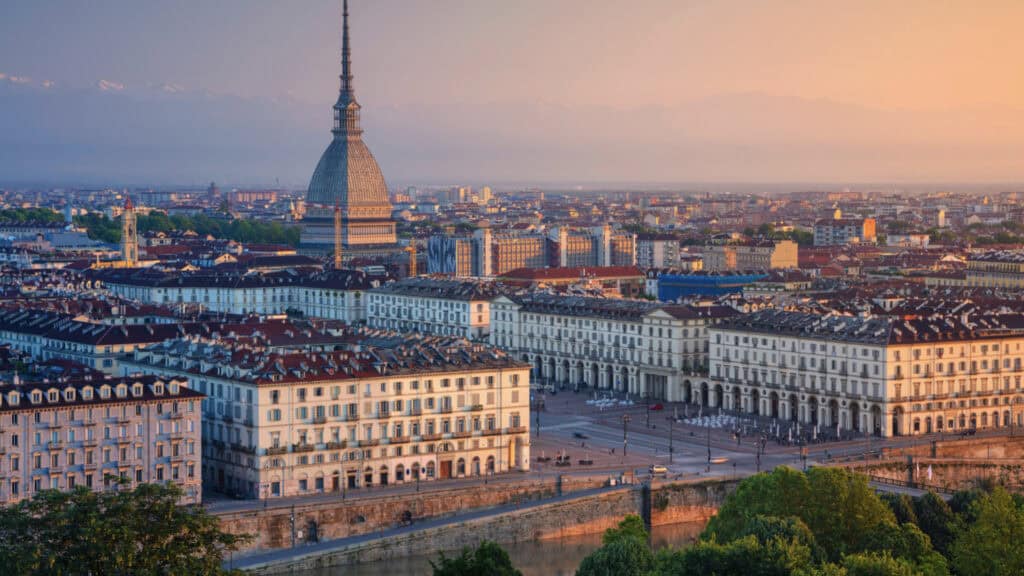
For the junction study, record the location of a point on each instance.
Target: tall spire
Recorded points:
(346, 110)
(346, 58)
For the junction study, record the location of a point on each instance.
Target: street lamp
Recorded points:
(536, 410)
(671, 425)
(709, 448)
(625, 422)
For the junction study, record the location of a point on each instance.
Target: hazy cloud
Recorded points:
(109, 86)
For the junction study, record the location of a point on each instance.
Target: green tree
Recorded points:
(877, 564)
(790, 529)
(902, 506)
(488, 559)
(140, 532)
(991, 545)
(632, 526)
(936, 519)
(744, 557)
(626, 556)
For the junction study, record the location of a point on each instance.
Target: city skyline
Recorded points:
(526, 93)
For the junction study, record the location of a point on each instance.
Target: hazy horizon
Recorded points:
(659, 92)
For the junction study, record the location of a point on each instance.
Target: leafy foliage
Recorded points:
(626, 556)
(30, 215)
(632, 526)
(102, 228)
(141, 532)
(991, 545)
(488, 559)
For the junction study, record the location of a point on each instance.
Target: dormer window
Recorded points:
(174, 387)
(13, 398)
(69, 394)
(53, 396)
(87, 393)
(37, 396)
(158, 388)
(105, 392)
(136, 389)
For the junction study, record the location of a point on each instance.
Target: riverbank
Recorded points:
(581, 513)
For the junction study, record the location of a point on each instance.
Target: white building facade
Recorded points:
(655, 351)
(279, 425)
(876, 375)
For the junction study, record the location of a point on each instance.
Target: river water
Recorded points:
(558, 557)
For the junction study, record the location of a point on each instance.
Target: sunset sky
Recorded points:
(567, 90)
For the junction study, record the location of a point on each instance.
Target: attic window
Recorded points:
(69, 394)
(136, 389)
(37, 396)
(105, 392)
(173, 387)
(158, 388)
(87, 393)
(13, 398)
(53, 396)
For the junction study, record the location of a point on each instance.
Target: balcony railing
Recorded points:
(319, 419)
(430, 437)
(335, 445)
(515, 429)
(275, 450)
(303, 447)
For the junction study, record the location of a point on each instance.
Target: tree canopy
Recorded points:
(100, 227)
(488, 559)
(139, 532)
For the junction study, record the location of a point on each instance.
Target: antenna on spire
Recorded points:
(346, 54)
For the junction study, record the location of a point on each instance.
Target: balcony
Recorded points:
(228, 419)
(383, 415)
(238, 447)
(415, 411)
(465, 434)
(90, 466)
(399, 440)
(90, 443)
(445, 409)
(476, 408)
(302, 447)
(491, 432)
(276, 450)
(515, 430)
(365, 443)
(336, 445)
(55, 445)
(319, 419)
(430, 437)
(176, 415)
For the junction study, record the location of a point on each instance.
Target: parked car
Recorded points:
(657, 407)
(658, 470)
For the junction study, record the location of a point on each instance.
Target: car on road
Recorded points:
(657, 407)
(580, 435)
(657, 470)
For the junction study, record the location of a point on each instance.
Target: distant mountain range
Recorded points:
(110, 133)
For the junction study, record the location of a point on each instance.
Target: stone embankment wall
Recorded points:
(337, 518)
(948, 473)
(670, 502)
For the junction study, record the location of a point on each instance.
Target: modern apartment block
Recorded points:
(750, 255)
(839, 231)
(880, 375)
(387, 410)
(60, 435)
